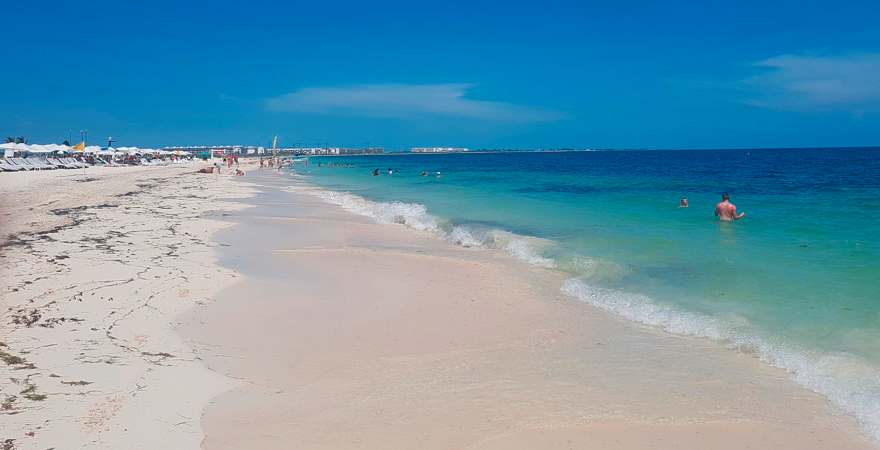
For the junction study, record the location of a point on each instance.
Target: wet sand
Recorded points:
(350, 334)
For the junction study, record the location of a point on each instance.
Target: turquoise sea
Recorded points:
(796, 282)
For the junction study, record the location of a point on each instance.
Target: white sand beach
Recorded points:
(159, 308)
(95, 266)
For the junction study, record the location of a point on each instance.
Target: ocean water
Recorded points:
(796, 283)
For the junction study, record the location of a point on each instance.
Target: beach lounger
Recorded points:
(20, 162)
(30, 162)
(44, 163)
(57, 163)
(41, 163)
(61, 164)
(74, 163)
(9, 167)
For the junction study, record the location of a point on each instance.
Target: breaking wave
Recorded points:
(850, 382)
(416, 216)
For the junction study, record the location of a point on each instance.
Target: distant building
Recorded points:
(438, 149)
(251, 150)
(332, 151)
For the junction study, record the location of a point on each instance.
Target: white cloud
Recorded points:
(842, 83)
(405, 101)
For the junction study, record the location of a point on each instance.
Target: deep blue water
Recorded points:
(796, 282)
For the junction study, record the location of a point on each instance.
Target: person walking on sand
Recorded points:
(726, 211)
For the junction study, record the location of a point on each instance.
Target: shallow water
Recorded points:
(797, 282)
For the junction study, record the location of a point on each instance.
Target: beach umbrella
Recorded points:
(35, 148)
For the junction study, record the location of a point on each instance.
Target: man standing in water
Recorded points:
(726, 211)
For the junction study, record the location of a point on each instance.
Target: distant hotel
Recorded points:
(438, 149)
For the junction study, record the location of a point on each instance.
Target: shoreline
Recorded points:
(824, 373)
(157, 308)
(760, 400)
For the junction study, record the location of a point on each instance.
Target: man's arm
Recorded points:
(737, 216)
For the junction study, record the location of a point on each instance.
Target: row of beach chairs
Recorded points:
(18, 164)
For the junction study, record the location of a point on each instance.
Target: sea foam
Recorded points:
(413, 215)
(850, 382)
(416, 216)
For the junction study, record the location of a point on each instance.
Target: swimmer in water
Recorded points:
(683, 203)
(424, 173)
(375, 172)
(726, 211)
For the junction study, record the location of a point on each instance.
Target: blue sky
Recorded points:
(478, 74)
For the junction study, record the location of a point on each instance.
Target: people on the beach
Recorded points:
(217, 167)
(683, 203)
(726, 211)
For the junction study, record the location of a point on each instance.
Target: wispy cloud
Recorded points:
(842, 83)
(405, 101)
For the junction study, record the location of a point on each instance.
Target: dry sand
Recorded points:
(350, 334)
(96, 265)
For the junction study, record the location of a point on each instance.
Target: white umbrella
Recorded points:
(35, 148)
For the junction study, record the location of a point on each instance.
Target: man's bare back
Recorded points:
(726, 211)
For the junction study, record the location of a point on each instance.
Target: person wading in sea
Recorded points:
(726, 211)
